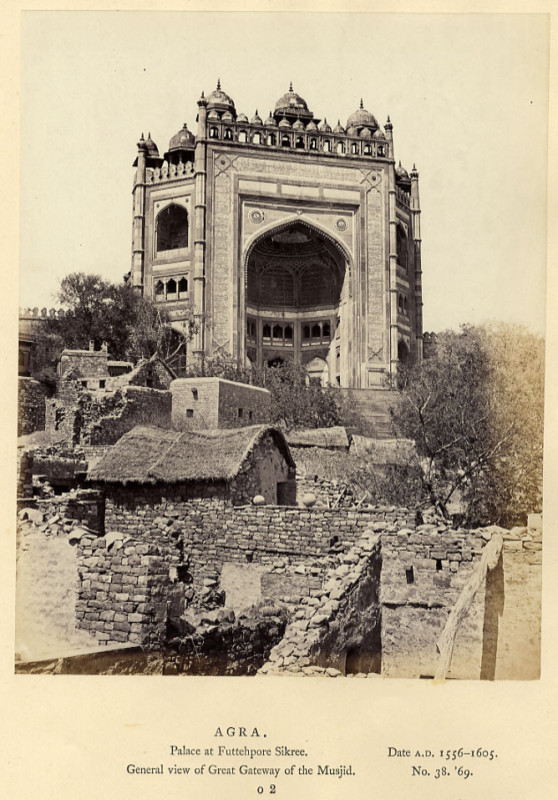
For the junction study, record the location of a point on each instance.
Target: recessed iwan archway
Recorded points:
(296, 297)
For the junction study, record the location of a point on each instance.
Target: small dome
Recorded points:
(183, 140)
(227, 117)
(324, 127)
(352, 131)
(213, 114)
(256, 119)
(221, 101)
(339, 128)
(312, 126)
(362, 118)
(366, 133)
(270, 121)
(379, 134)
(401, 172)
(298, 125)
(292, 103)
(242, 118)
(152, 149)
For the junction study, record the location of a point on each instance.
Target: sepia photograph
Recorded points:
(281, 345)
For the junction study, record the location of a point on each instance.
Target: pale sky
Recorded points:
(467, 95)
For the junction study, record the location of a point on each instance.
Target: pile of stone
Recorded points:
(33, 519)
(311, 615)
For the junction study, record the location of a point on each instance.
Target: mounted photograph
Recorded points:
(281, 345)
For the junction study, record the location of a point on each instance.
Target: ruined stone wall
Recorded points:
(205, 403)
(86, 363)
(512, 619)
(85, 506)
(31, 397)
(423, 573)
(123, 587)
(140, 406)
(83, 417)
(264, 468)
(24, 474)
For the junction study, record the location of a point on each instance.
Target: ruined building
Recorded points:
(288, 238)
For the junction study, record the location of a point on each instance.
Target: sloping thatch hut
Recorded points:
(233, 465)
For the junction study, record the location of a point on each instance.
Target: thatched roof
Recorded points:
(331, 438)
(154, 455)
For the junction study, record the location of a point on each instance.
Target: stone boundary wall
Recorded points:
(31, 396)
(85, 506)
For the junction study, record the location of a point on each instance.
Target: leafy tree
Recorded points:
(475, 411)
(97, 310)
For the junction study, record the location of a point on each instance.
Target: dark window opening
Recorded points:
(102, 384)
(183, 286)
(240, 413)
(250, 414)
(285, 141)
(299, 143)
(438, 564)
(189, 412)
(195, 394)
(271, 139)
(288, 332)
(172, 228)
(410, 575)
(228, 134)
(213, 132)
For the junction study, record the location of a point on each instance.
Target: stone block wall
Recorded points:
(31, 398)
(87, 363)
(206, 403)
(423, 573)
(85, 506)
(140, 406)
(24, 474)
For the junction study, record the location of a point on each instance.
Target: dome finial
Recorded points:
(290, 86)
(218, 83)
(361, 103)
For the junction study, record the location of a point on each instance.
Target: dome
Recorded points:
(324, 127)
(352, 131)
(401, 172)
(339, 128)
(270, 121)
(298, 125)
(362, 118)
(379, 134)
(213, 114)
(220, 101)
(152, 149)
(256, 119)
(312, 126)
(292, 104)
(284, 123)
(366, 133)
(241, 118)
(183, 140)
(227, 117)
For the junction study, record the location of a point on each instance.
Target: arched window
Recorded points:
(266, 332)
(340, 147)
(213, 132)
(299, 143)
(242, 136)
(327, 146)
(402, 248)
(159, 291)
(313, 144)
(182, 287)
(277, 332)
(271, 139)
(172, 228)
(228, 134)
(367, 149)
(285, 140)
(306, 332)
(288, 333)
(354, 148)
(257, 139)
(381, 150)
(171, 289)
(316, 331)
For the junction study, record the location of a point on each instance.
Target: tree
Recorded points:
(98, 311)
(475, 411)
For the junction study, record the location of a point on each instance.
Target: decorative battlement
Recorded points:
(43, 313)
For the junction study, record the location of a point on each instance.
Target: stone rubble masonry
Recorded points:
(24, 474)
(367, 590)
(84, 363)
(30, 406)
(83, 417)
(206, 403)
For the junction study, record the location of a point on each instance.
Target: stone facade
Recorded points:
(210, 403)
(263, 211)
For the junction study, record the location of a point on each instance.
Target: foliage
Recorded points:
(99, 311)
(475, 411)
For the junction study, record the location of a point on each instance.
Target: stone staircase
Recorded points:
(368, 412)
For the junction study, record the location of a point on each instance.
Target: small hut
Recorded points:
(152, 467)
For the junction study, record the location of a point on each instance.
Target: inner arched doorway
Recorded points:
(295, 293)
